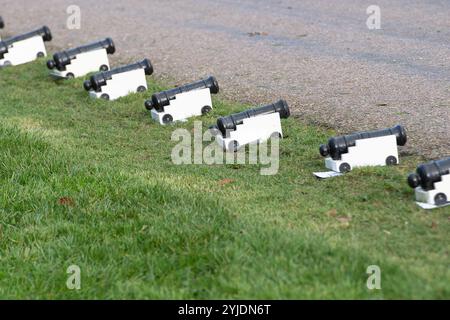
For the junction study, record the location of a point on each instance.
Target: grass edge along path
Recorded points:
(91, 183)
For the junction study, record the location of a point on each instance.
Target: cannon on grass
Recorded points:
(431, 182)
(119, 82)
(183, 102)
(367, 148)
(25, 47)
(251, 126)
(78, 62)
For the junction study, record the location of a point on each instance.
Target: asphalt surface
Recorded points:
(318, 55)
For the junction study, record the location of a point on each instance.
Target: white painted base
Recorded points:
(366, 152)
(24, 51)
(84, 63)
(122, 84)
(253, 130)
(327, 174)
(427, 206)
(442, 186)
(185, 105)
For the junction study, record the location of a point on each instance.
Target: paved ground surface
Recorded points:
(317, 54)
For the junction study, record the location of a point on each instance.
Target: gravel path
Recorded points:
(317, 54)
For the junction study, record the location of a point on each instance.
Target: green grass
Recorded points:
(91, 183)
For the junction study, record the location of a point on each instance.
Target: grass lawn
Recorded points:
(91, 183)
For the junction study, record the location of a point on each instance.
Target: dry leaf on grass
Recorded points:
(332, 213)
(225, 181)
(66, 201)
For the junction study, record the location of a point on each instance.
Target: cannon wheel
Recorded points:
(233, 146)
(104, 67)
(70, 75)
(391, 161)
(345, 167)
(206, 109)
(276, 135)
(40, 54)
(105, 96)
(141, 89)
(440, 199)
(167, 119)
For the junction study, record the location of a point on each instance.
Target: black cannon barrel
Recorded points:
(44, 32)
(230, 122)
(339, 145)
(429, 173)
(2, 23)
(162, 99)
(100, 79)
(63, 58)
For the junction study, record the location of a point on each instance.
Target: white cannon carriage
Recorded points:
(80, 61)
(252, 126)
(119, 82)
(24, 48)
(183, 102)
(431, 182)
(361, 149)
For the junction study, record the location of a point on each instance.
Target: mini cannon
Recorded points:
(78, 62)
(432, 182)
(368, 148)
(24, 48)
(119, 82)
(183, 102)
(251, 126)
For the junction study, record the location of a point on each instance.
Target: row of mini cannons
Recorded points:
(177, 104)
(106, 83)
(78, 62)
(431, 180)
(342, 153)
